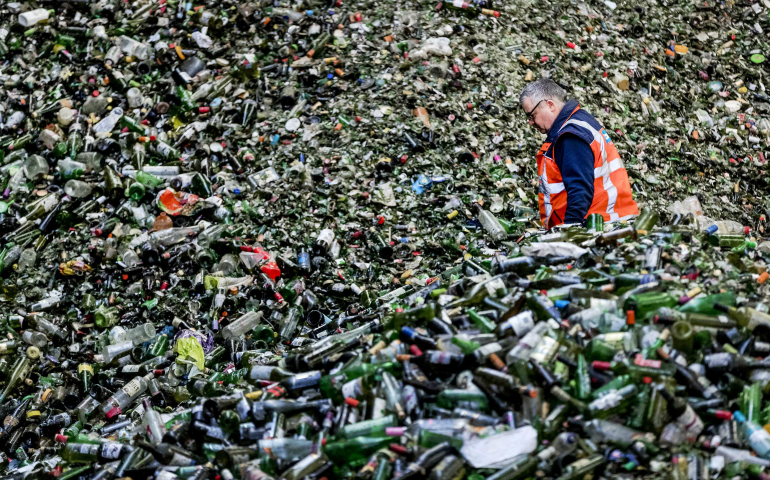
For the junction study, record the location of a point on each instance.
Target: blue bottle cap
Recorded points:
(738, 416)
(712, 229)
(329, 76)
(561, 303)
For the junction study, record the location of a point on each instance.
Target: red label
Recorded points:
(643, 362)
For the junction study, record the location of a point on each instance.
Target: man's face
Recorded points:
(541, 114)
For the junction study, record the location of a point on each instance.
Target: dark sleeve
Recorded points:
(575, 160)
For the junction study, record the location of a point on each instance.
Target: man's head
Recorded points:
(542, 101)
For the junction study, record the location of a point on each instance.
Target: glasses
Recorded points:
(530, 114)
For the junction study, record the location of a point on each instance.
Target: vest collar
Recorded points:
(566, 112)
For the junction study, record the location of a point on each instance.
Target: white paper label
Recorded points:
(111, 451)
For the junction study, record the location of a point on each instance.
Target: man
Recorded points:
(579, 168)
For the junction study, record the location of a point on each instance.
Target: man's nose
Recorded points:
(531, 121)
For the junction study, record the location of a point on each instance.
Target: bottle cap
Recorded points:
(115, 411)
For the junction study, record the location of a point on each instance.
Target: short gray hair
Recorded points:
(543, 89)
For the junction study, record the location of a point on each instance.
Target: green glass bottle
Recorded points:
(613, 403)
(94, 452)
(185, 98)
(200, 185)
(451, 398)
(646, 220)
(353, 381)
(136, 191)
(750, 402)
(355, 451)
(638, 368)
(372, 428)
(205, 388)
(484, 324)
(746, 317)
(148, 180)
(132, 125)
(705, 304)
(646, 304)
(582, 467)
(19, 372)
(466, 346)
(640, 410)
(414, 316)
(668, 316)
(615, 384)
(582, 378)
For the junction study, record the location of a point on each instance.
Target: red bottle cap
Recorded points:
(723, 415)
(351, 401)
(60, 438)
(400, 449)
(599, 365)
(115, 411)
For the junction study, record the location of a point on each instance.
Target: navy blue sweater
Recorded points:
(575, 160)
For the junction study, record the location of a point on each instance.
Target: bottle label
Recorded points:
(131, 368)
(206, 18)
(111, 451)
(85, 368)
(133, 387)
(615, 339)
(583, 462)
(304, 380)
(11, 421)
(606, 402)
(439, 358)
(719, 360)
(759, 436)
(243, 408)
(643, 362)
(163, 149)
(544, 350)
(410, 398)
(521, 323)
(691, 423)
(181, 461)
(352, 389)
(326, 237)
(489, 349)
(260, 372)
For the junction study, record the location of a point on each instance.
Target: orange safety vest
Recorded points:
(612, 191)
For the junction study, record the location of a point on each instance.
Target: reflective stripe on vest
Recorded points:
(546, 188)
(605, 169)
